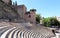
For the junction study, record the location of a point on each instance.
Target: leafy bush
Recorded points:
(38, 17)
(54, 22)
(51, 21)
(46, 21)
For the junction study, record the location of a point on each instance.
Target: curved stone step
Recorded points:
(10, 35)
(10, 32)
(15, 34)
(32, 34)
(4, 29)
(20, 33)
(5, 33)
(40, 35)
(25, 34)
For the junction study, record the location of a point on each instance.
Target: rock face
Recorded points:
(7, 12)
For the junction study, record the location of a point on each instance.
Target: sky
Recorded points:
(47, 8)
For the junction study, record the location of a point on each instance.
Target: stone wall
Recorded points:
(6, 1)
(7, 12)
(30, 16)
(16, 12)
(21, 9)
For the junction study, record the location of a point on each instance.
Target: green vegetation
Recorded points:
(38, 17)
(46, 21)
(51, 21)
(54, 21)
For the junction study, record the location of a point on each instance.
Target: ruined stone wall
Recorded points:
(16, 12)
(31, 17)
(6, 1)
(7, 12)
(21, 9)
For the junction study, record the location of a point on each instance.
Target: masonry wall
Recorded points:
(21, 10)
(6, 1)
(6, 12)
(31, 17)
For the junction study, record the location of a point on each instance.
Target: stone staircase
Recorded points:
(19, 30)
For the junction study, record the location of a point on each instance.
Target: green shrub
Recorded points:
(51, 21)
(38, 17)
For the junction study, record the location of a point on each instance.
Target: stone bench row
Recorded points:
(13, 32)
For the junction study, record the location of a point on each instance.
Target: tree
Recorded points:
(59, 24)
(51, 21)
(38, 17)
(54, 22)
(46, 22)
(15, 3)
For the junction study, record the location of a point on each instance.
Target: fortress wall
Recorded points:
(21, 9)
(6, 1)
(31, 17)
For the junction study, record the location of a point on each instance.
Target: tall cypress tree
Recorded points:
(15, 3)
